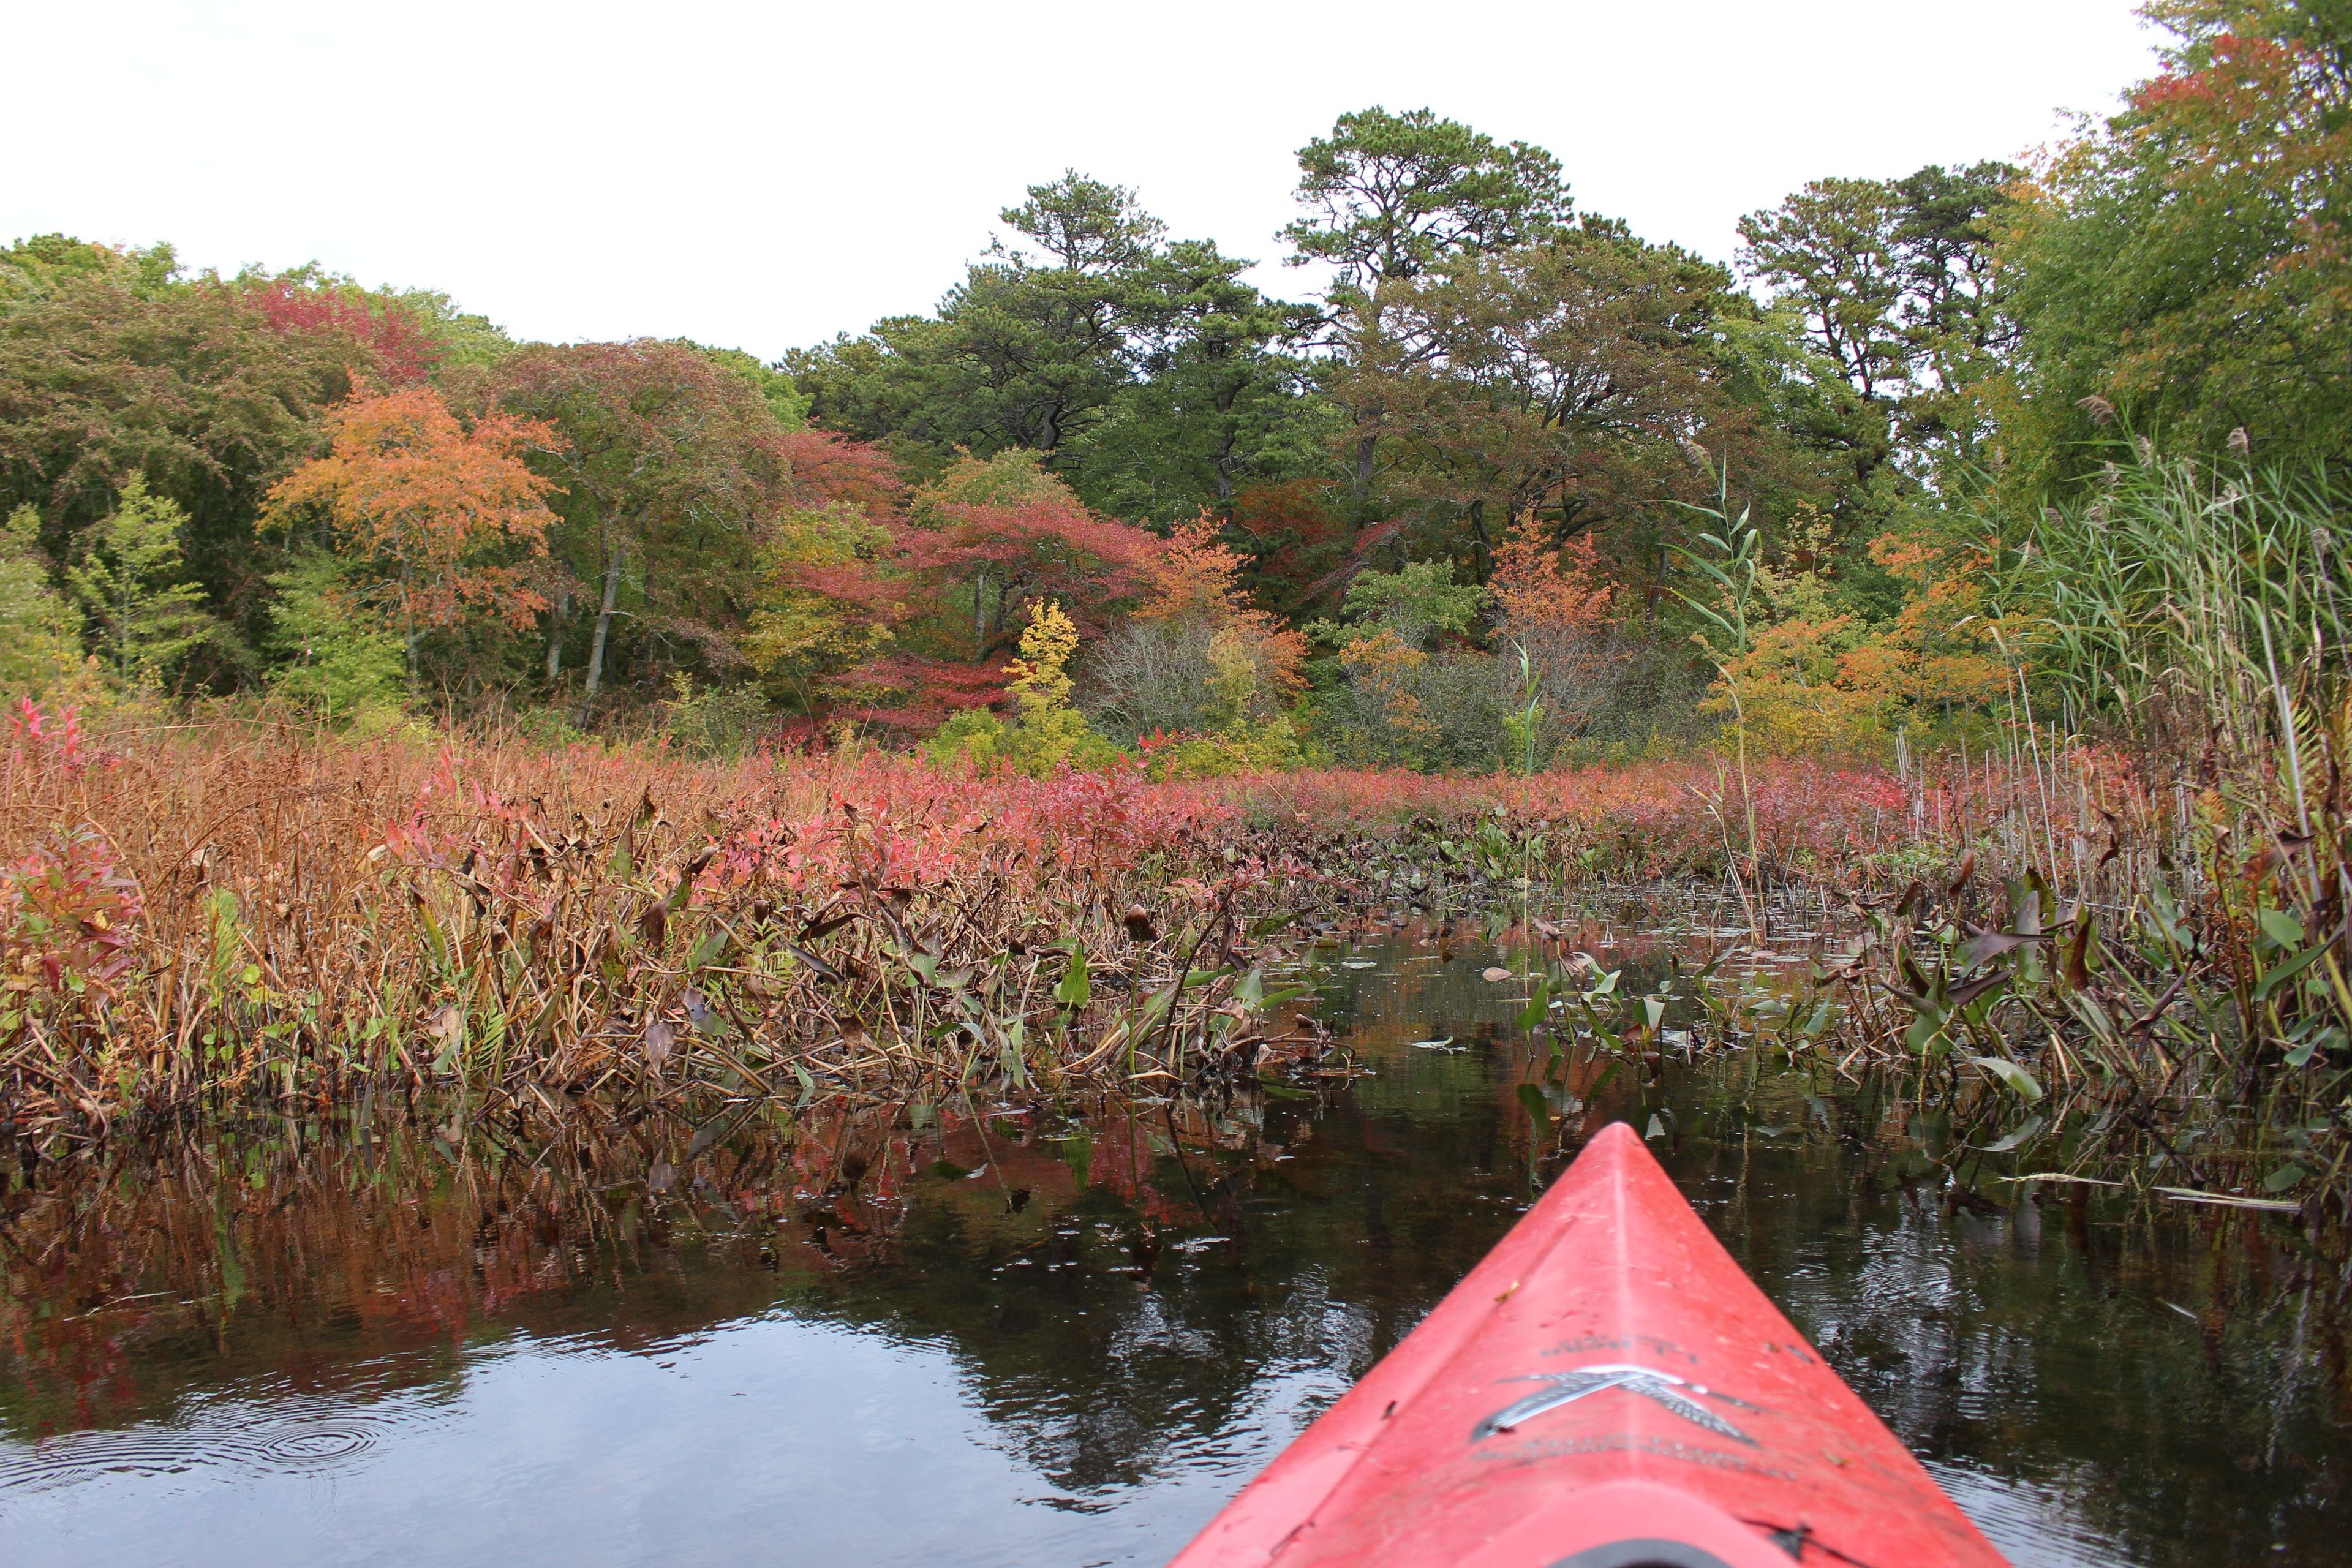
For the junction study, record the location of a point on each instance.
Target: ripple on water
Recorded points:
(229, 1442)
(2035, 1526)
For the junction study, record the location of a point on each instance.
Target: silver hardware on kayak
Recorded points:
(1568, 1387)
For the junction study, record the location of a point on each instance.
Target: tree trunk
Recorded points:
(556, 617)
(604, 630)
(408, 632)
(1363, 485)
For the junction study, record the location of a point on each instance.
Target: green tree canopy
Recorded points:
(2186, 266)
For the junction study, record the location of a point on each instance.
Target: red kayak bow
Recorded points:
(1606, 1390)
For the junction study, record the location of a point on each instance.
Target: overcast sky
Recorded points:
(764, 175)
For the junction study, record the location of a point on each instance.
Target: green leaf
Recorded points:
(1538, 1109)
(709, 950)
(1924, 1034)
(2282, 927)
(1017, 1065)
(2289, 970)
(1076, 988)
(439, 943)
(1538, 1005)
(2285, 1176)
(2015, 1078)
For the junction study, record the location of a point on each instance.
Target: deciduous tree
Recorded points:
(443, 518)
(670, 469)
(2188, 265)
(116, 366)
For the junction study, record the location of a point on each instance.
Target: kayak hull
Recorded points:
(1606, 1390)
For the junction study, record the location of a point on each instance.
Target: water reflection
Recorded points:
(868, 1336)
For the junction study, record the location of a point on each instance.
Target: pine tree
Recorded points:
(129, 579)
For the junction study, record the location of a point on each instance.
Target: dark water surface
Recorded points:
(928, 1338)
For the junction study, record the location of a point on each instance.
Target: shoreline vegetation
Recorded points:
(252, 918)
(1949, 598)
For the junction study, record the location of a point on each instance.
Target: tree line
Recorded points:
(1510, 459)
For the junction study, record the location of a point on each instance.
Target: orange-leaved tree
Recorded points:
(445, 515)
(1558, 608)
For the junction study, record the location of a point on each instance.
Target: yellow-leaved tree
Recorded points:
(1047, 731)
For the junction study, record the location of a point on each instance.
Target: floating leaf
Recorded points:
(1497, 974)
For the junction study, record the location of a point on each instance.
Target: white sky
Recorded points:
(763, 176)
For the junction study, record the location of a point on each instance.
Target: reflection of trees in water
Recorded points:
(1069, 1277)
(2034, 1344)
(1067, 1265)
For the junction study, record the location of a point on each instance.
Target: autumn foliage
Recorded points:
(449, 514)
(402, 351)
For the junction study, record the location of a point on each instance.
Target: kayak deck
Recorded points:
(1606, 1390)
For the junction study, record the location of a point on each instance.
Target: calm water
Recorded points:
(1043, 1340)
